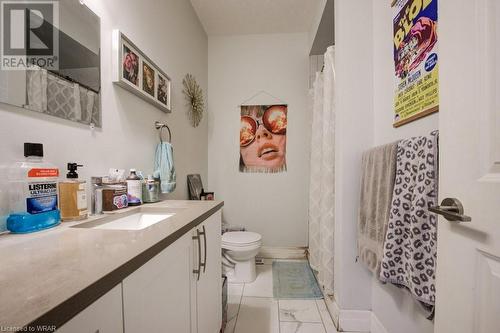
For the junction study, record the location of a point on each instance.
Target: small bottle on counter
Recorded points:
(96, 195)
(73, 195)
(150, 190)
(134, 188)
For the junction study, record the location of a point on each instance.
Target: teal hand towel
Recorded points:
(164, 167)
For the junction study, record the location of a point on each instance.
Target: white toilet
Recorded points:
(240, 249)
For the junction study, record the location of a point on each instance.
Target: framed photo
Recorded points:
(148, 78)
(136, 72)
(163, 90)
(130, 65)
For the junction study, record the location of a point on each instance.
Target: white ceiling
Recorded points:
(235, 17)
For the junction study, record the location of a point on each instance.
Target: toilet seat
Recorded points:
(246, 247)
(237, 239)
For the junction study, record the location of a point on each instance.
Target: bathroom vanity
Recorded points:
(153, 268)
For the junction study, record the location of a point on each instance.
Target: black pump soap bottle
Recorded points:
(73, 195)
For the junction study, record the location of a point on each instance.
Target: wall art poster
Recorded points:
(415, 59)
(263, 138)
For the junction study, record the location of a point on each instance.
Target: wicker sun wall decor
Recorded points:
(194, 97)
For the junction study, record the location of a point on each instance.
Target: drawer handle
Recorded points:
(204, 233)
(198, 271)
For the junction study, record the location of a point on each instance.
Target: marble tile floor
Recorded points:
(252, 309)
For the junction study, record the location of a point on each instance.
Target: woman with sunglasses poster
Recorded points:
(263, 138)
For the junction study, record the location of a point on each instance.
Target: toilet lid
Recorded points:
(240, 237)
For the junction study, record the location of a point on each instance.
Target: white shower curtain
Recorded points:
(322, 177)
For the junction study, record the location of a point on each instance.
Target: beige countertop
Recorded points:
(56, 270)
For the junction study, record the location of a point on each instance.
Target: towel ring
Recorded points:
(161, 126)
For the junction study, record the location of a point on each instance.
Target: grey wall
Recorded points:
(394, 307)
(170, 33)
(353, 134)
(364, 116)
(274, 205)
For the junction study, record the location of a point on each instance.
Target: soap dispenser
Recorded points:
(73, 195)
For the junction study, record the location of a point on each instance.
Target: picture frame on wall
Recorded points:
(148, 78)
(134, 71)
(130, 64)
(163, 90)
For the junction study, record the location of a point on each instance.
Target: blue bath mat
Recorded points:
(294, 279)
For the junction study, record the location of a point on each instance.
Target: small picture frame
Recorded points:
(137, 73)
(163, 90)
(148, 78)
(130, 65)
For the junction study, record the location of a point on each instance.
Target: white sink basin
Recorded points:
(135, 221)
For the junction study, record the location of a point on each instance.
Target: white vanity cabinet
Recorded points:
(102, 316)
(179, 289)
(208, 287)
(158, 296)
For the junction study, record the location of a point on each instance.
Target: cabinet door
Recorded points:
(208, 288)
(157, 297)
(102, 316)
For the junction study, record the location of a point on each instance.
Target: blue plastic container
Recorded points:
(23, 223)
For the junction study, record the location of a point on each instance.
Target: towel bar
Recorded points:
(161, 126)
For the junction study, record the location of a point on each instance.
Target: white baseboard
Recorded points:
(355, 321)
(359, 321)
(269, 252)
(376, 326)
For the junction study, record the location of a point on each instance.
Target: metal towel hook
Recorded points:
(161, 126)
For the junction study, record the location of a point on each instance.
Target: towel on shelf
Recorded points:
(377, 182)
(164, 167)
(410, 248)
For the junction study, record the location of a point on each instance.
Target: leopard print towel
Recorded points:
(410, 247)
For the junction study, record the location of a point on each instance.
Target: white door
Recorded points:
(158, 296)
(468, 267)
(209, 286)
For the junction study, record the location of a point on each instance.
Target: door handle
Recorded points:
(204, 233)
(198, 271)
(452, 210)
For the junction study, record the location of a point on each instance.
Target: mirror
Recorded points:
(69, 89)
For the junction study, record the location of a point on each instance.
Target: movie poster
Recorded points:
(415, 59)
(263, 138)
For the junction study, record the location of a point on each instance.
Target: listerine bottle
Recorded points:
(33, 192)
